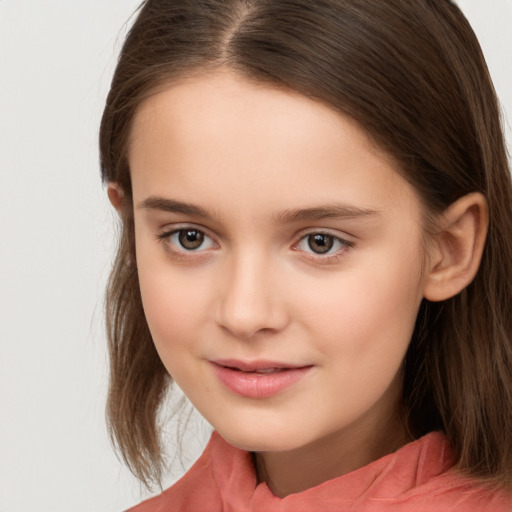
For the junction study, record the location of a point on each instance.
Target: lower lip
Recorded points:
(259, 385)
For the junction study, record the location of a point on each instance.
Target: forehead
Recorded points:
(220, 138)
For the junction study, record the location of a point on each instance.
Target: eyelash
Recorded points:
(182, 253)
(327, 257)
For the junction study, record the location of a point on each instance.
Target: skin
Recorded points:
(254, 161)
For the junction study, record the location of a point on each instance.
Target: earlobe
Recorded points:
(457, 248)
(116, 195)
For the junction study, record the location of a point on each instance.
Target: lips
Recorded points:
(258, 379)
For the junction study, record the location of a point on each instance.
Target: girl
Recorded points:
(316, 214)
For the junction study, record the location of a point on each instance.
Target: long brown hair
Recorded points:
(412, 74)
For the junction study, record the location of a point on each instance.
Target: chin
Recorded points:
(263, 440)
(259, 445)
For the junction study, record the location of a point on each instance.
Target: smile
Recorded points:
(260, 379)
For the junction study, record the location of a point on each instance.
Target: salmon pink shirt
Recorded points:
(419, 477)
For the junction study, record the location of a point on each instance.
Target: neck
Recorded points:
(332, 456)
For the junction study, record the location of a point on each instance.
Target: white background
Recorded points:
(56, 244)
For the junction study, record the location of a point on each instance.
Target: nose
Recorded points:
(250, 300)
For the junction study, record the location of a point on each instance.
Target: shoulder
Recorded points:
(198, 490)
(440, 486)
(455, 492)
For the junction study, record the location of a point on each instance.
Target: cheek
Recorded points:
(172, 305)
(174, 300)
(371, 309)
(173, 312)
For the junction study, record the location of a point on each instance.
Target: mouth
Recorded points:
(258, 379)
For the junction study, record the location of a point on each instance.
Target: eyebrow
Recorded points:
(330, 211)
(170, 205)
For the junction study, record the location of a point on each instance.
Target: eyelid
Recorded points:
(179, 226)
(329, 257)
(164, 237)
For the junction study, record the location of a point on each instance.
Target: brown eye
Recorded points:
(190, 239)
(187, 240)
(320, 243)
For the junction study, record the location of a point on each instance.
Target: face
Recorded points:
(280, 260)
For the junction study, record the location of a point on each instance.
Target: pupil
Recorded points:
(191, 239)
(320, 243)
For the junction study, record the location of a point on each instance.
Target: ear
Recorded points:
(457, 247)
(116, 195)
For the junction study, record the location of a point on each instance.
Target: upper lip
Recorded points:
(248, 366)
